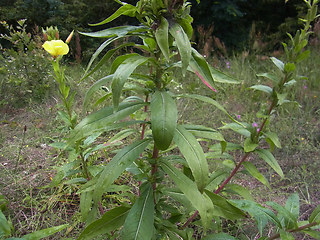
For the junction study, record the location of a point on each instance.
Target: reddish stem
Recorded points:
(154, 169)
(142, 134)
(296, 229)
(236, 169)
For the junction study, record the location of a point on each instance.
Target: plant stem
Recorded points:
(144, 125)
(21, 146)
(154, 168)
(84, 167)
(296, 229)
(236, 169)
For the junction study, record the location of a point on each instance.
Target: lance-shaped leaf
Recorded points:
(85, 204)
(200, 67)
(254, 172)
(5, 228)
(116, 31)
(122, 160)
(110, 221)
(261, 214)
(101, 82)
(126, 9)
(193, 153)
(238, 189)
(103, 118)
(315, 215)
(122, 73)
(222, 208)
(249, 145)
(221, 77)
(199, 201)
(286, 218)
(238, 128)
(161, 35)
(104, 59)
(204, 132)
(278, 63)
(183, 45)
(267, 156)
(262, 88)
(44, 232)
(139, 223)
(293, 205)
(272, 139)
(210, 101)
(275, 79)
(164, 116)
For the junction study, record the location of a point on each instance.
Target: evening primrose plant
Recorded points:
(57, 49)
(176, 194)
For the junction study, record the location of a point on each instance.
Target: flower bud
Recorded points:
(69, 37)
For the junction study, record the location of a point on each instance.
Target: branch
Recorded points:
(295, 230)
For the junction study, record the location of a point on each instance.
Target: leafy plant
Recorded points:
(23, 76)
(161, 209)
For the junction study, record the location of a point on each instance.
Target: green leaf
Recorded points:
(116, 31)
(278, 63)
(221, 77)
(241, 129)
(139, 222)
(255, 173)
(117, 165)
(210, 101)
(85, 204)
(105, 58)
(92, 90)
(193, 153)
(5, 229)
(204, 132)
(282, 98)
(98, 121)
(313, 233)
(219, 236)
(286, 218)
(262, 88)
(289, 67)
(215, 179)
(302, 56)
(238, 189)
(200, 67)
(267, 156)
(44, 232)
(293, 205)
(274, 138)
(315, 215)
(161, 35)
(164, 117)
(185, 22)
(122, 73)
(261, 214)
(270, 76)
(183, 45)
(249, 145)
(222, 208)
(126, 9)
(111, 220)
(121, 135)
(199, 201)
(286, 235)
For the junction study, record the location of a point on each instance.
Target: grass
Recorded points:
(32, 205)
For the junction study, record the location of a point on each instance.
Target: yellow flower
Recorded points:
(56, 48)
